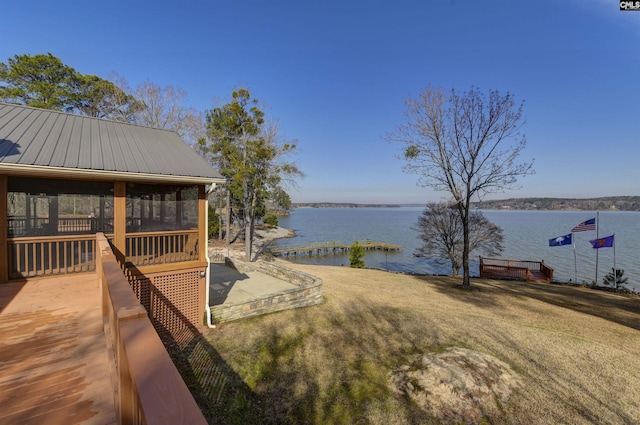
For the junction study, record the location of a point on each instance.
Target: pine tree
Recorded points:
(356, 255)
(615, 278)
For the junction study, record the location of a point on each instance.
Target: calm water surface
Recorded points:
(526, 235)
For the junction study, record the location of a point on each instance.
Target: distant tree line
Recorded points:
(346, 205)
(621, 203)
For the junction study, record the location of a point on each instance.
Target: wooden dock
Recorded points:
(530, 271)
(329, 248)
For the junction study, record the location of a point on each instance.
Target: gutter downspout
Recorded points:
(208, 272)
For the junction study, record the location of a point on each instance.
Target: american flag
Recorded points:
(585, 225)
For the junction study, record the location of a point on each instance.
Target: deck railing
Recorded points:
(546, 270)
(149, 389)
(150, 248)
(21, 226)
(331, 247)
(514, 269)
(50, 255)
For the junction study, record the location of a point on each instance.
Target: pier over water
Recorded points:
(329, 248)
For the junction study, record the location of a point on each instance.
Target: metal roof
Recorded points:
(40, 141)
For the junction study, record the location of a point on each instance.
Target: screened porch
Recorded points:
(51, 224)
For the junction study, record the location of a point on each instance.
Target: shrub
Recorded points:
(616, 278)
(356, 256)
(271, 220)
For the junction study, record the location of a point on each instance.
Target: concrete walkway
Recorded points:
(54, 367)
(229, 286)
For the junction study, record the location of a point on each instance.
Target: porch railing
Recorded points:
(21, 226)
(51, 255)
(150, 248)
(149, 389)
(497, 268)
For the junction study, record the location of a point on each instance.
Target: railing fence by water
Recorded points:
(531, 271)
(328, 248)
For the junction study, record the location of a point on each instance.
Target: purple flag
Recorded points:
(602, 242)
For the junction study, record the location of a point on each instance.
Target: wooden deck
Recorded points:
(328, 248)
(54, 367)
(530, 271)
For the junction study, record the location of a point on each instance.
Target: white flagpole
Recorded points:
(575, 261)
(615, 271)
(597, 237)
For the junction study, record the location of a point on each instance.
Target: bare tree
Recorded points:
(160, 107)
(466, 144)
(163, 108)
(441, 231)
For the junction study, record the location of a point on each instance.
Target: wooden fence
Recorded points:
(34, 226)
(149, 389)
(150, 248)
(331, 247)
(51, 255)
(498, 268)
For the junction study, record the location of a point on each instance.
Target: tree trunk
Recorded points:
(252, 221)
(248, 218)
(247, 241)
(466, 282)
(464, 210)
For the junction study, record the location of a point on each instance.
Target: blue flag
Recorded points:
(602, 242)
(560, 240)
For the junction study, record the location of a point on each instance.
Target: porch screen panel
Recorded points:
(50, 207)
(162, 223)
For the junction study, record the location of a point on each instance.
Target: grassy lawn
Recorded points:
(575, 351)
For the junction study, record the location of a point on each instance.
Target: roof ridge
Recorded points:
(86, 117)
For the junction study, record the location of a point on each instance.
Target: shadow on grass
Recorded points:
(219, 391)
(620, 308)
(623, 309)
(578, 396)
(323, 368)
(482, 296)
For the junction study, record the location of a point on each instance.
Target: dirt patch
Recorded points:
(457, 385)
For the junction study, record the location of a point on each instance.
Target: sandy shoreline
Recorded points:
(263, 236)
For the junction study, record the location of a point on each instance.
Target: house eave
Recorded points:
(85, 174)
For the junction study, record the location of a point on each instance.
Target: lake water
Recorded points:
(526, 237)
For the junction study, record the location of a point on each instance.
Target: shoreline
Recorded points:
(265, 235)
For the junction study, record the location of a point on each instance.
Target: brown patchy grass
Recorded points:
(576, 350)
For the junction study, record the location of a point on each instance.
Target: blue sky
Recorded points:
(335, 74)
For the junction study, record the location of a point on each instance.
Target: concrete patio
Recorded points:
(228, 286)
(239, 290)
(54, 367)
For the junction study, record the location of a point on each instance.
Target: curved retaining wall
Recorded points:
(308, 292)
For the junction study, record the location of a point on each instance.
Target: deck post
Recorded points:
(203, 239)
(4, 257)
(120, 220)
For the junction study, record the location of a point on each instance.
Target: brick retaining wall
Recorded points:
(307, 293)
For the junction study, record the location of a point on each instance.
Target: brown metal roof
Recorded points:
(31, 139)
